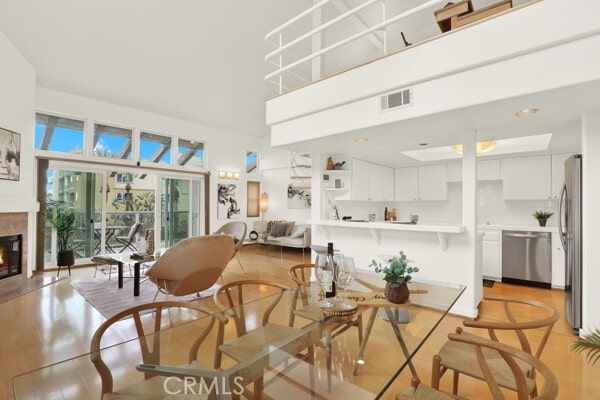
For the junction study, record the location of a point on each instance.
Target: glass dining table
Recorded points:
(393, 335)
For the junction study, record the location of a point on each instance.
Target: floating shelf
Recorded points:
(336, 189)
(300, 177)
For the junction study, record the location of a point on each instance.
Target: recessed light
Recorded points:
(361, 140)
(527, 111)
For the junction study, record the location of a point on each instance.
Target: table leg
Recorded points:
(120, 274)
(398, 334)
(136, 279)
(363, 345)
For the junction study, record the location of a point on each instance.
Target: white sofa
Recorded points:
(298, 236)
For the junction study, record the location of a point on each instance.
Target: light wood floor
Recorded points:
(54, 323)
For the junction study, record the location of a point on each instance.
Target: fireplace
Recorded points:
(10, 255)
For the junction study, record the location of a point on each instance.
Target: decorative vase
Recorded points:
(542, 222)
(65, 258)
(396, 295)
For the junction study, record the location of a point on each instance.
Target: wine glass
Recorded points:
(346, 272)
(338, 265)
(325, 278)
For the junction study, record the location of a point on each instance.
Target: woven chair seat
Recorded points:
(424, 392)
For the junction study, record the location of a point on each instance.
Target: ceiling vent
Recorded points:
(399, 99)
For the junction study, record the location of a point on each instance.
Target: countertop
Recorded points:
(387, 225)
(512, 227)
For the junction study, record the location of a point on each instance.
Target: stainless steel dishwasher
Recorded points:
(527, 258)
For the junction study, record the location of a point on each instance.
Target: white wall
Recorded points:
(591, 220)
(17, 105)
(275, 173)
(225, 150)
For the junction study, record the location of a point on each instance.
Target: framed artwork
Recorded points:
(227, 206)
(298, 197)
(10, 155)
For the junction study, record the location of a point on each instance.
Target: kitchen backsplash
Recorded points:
(492, 208)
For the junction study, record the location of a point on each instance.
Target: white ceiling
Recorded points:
(197, 60)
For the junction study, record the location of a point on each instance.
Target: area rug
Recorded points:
(105, 296)
(488, 283)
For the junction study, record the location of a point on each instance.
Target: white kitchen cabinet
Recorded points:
(558, 173)
(558, 262)
(406, 185)
(387, 187)
(455, 172)
(433, 182)
(425, 183)
(360, 179)
(491, 254)
(527, 178)
(375, 182)
(488, 170)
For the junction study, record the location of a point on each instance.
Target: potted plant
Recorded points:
(62, 220)
(589, 343)
(397, 275)
(542, 216)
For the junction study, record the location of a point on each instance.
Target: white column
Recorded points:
(590, 149)
(469, 217)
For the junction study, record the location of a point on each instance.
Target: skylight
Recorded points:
(503, 146)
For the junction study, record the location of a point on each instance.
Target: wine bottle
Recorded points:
(330, 268)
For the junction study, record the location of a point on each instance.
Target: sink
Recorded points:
(402, 222)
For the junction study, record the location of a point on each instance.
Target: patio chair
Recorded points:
(155, 378)
(515, 361)
(463, 359)
(250, 342)
(191, 265)
(128, 241)
(237, 229)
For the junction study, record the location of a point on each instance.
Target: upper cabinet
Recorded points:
(372, 182)
(388, 184)
(424, 183)
(487, 170)
(527, 178)
(360, 180)
(558, 173)
(406, 184)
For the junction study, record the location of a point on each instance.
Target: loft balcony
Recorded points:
(340, 66)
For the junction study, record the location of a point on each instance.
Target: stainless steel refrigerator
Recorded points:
(569, 225)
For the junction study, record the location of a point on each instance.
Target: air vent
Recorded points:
(392, 101)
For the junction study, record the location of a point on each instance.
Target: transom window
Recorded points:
(191, 153)
(112, 142)
(251, 162)
(155, 148)
(59, 134)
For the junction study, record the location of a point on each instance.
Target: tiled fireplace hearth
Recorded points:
(13, 245)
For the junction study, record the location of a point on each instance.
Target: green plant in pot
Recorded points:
(542, 216)
(397, 275)
(61, 219)
(589, 343)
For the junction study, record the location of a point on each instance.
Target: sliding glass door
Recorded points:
(113, 209)
(181, 202)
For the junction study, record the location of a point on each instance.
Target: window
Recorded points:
(251, 162)
(253, 199)
(58, 134)
(112, 142)
(155, 148)
(124, 177)
(191, 153)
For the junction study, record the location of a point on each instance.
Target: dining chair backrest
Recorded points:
(513, 357)
(301, 273)
(230, 297)
(147, 340)
(548, 315)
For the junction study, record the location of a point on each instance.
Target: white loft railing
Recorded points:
(287, 64)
